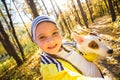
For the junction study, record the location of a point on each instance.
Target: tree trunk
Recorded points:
(83, 14)
(40, 6)
(8, 45)
(45, 7)
(33, 8)
(27, 16)
(116, 4)
(89, 11)
(77, 17)
(63, 19)
(106, 4)
(112, 12)
(62, 28)
(69, 21)
(13, 31)
(101, 10)
(10, 30)
(23, 22)
(54, 8)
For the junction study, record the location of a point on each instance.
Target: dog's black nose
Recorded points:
(110, 51)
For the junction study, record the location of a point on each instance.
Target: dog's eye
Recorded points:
(93, 45)
(99, 39)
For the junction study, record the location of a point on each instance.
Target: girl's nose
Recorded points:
(50, 39)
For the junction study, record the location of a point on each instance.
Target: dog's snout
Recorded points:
(110, 51)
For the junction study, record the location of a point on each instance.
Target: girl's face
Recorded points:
(48, 37)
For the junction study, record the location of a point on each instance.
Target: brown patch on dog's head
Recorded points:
(93, 45)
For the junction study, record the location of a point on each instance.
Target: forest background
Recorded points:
(19, 56)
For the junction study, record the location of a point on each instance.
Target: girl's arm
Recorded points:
(50, 72)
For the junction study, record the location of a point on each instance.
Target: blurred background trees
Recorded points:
(16, 17)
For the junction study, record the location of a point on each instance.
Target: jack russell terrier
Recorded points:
(92, 46)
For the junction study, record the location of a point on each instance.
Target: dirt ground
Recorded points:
(110, 67)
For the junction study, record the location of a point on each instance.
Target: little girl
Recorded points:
(57, 62)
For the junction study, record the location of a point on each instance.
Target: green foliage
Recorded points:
(6, 65)
(116, 26)
(30, 48)
(1, 68)
(2, 50)
(117, 23)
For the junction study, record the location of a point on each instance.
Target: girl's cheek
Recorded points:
(41, 44)
(60, 38)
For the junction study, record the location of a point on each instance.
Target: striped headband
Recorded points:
(38, 20)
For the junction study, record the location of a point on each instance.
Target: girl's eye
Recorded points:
(54, 33)
(42, 37)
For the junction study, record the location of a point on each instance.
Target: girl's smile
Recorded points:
(52, 47)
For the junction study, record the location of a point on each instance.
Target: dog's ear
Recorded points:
(77, 37)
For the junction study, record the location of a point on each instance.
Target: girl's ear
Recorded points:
(77, 37)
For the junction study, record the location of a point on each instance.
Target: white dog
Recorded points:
(92, 47)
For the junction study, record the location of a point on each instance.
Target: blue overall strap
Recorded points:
(47, 59)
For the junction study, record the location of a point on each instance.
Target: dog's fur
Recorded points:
(92, 44)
